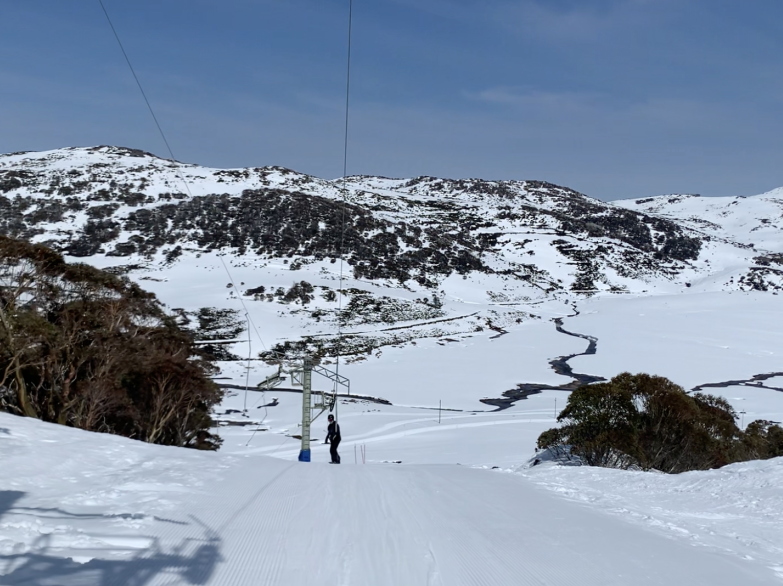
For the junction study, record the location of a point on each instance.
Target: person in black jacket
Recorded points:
(333, 437)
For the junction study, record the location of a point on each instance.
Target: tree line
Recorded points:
(85, 348)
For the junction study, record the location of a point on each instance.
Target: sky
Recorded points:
(613, 98)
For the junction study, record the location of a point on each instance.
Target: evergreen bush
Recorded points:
(648, 422)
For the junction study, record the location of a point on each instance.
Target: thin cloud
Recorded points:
(538, 99)
(583, 21)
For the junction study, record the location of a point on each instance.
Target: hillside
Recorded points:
(446, 262)
(490, 299)
(124, 203)
(129, 204)
(753, 223)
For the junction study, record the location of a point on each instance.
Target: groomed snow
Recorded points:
(462, 506)
(84, 509)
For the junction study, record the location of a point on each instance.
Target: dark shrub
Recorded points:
(649, 422)
(85, 348)
(764, 439)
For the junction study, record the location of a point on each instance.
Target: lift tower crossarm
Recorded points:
(333, 376)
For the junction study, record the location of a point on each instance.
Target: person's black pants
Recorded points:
(333, 450)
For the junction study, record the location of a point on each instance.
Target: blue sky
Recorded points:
(614, 98)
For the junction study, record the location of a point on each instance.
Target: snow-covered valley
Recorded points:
(454, 304)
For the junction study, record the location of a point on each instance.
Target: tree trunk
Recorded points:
(21, 393)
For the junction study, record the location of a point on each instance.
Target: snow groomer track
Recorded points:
(389, 525)
(274, 522)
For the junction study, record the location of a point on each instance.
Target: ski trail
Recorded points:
(469, 536)
(394, 550)
(369, 438)
(268, 522)
(227, 526)
(529, 537)
(268, 535)
(433, 575)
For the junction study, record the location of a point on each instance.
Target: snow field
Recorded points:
(161, 516)
(80, 508)
(691, 339)
(392, 433)
(737, 509)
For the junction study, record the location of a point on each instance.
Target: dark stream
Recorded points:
(754, 381)
(560, 366)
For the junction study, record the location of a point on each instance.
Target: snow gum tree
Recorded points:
(648, 422)
(82, 347)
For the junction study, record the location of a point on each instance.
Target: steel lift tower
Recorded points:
(307, 389)
(312, 401)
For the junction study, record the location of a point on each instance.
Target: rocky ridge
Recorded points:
(405, 241)
(124, 202)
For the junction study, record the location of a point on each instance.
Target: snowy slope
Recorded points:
(437, 272)
(754, 223)
(755, 220)
(705, 509)
(458, 300)
(430, 263)
(535, 237)
(110, 511)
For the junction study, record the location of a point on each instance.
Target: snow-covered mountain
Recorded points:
(423, 257)
(452, 291)
(542, 238)
(753, 223)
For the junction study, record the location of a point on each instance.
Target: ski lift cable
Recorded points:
(178, 172)
(171, 154)
(138, 83)
(344, 192)
(180, 176)
(247, 367)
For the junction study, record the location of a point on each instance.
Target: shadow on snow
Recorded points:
(193, 561)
